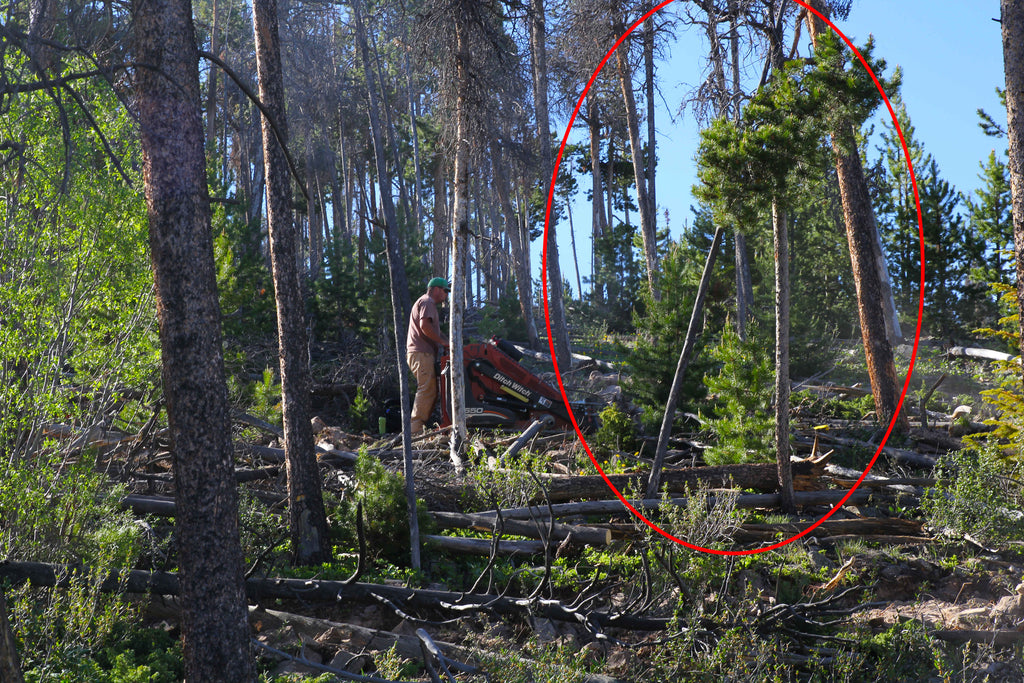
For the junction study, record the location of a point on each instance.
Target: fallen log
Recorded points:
(997, 638)
(313, 590)
(855, 528)
(984, 354)
(96, 436)
(357, 638)
(578, 359)
(484, 546)
(328, 456)
(872, 538)
(900, 455)
(559, 532)
(362, 639)
(528, 434)
(615, 507)
(755, 476)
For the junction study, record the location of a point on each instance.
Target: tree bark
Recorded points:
(861, 233)
(652, 158)
(211, 84)
(1012, 22)
(42, 20)
(744, 283)
(307, 520)
(559, 329)
(400, 304)
(780, 230)
(441, 224)
(214, 619)
(10, 669)
(599, 222)
(459, 251)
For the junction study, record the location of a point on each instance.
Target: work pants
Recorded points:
(422, 367)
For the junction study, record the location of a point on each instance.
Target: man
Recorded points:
(421, 347)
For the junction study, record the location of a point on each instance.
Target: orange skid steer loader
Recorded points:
(502, 393)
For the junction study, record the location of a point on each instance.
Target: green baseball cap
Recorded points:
(439, 282)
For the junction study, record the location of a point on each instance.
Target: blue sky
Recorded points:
(951, 55)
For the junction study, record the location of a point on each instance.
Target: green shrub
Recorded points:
(385, 511)
(742, 394)
(977, 493)
(617, 432)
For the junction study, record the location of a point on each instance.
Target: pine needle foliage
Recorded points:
(741, 393)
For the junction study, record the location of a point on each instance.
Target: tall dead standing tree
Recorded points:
(538, 52)
(214, 616)
(1012, 29)
(473, 54)
(400, 304)
(307, 520)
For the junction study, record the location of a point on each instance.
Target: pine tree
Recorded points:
(954, 299)
(989, 218)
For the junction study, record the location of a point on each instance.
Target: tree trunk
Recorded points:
(307, 520)
(648, 234)
(459, 252)
(654, 481)
(599, 222)
(400, 304)
(520, 252)
(10, 669)
(744, 283)
(652, 159)
(439, 246)
(314, 216)
(780, 231)
(214, 619)
(414, 133)
(861, 233)
(558, 330)
(1013, 65)
(42, 20)
(211, 86)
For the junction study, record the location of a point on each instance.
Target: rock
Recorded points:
(1009, 612)
(960, 421)
(354, 664)
(592, 652)
(545, 629)
(292, 667)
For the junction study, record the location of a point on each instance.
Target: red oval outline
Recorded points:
(547, 314)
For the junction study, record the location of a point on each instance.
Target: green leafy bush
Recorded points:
(977, 493)
(617, 432)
